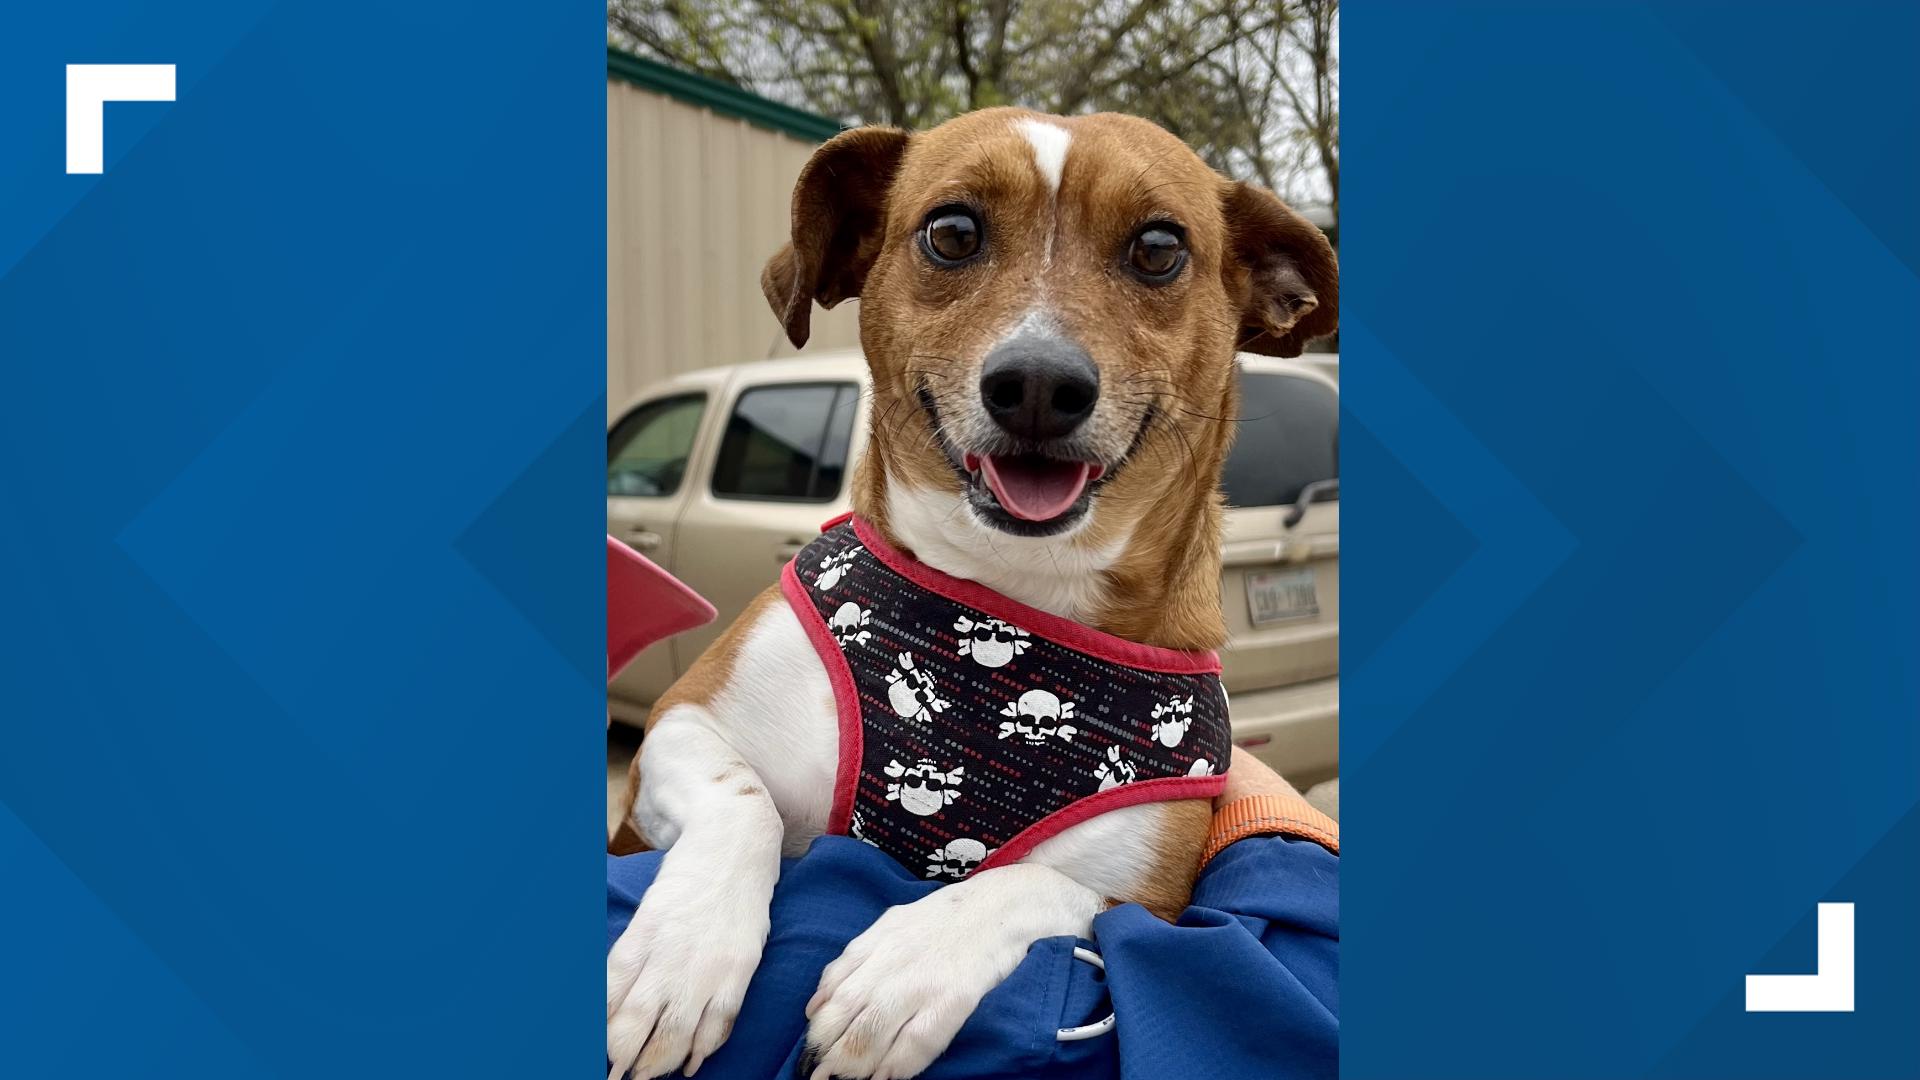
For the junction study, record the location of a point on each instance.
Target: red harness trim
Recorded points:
(846, 699)
(1092, 806)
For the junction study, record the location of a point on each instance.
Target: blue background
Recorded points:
(1630, 330)
(300, 441)
(301, 431)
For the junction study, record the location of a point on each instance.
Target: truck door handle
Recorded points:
(785, 552)
(643, 539)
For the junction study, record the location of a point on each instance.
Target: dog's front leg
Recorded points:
(676, 977)
(900, 992)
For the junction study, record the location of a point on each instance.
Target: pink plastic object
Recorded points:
(644, 605)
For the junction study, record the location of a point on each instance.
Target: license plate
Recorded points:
(1279, 595)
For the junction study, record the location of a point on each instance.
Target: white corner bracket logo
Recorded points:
(1829, 988)
(89, 88)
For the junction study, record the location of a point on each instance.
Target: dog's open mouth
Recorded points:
(1033, 487)
(1026, 491)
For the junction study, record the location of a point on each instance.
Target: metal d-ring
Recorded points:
(1098, 1027)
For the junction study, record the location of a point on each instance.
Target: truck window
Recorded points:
(647, 450)
(1289, 437)
(787, 443)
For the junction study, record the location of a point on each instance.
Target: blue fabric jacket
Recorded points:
(1246, 985)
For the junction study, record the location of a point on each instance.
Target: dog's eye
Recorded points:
(1158, 253)
(952, 236)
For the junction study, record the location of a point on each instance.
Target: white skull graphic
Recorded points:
(849, 624)
(857, 829)
(1201, 767)
(957, 859)
(1037, 717)
(922, 788)
(911, 691)
(1172, 721)
(1114, 771)
(832, 569)
(991, 642)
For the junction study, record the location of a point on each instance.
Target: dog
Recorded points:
(1050, 307)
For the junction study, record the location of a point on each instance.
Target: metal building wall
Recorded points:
(696, 203)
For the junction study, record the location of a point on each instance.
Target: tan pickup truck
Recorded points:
(721, 475)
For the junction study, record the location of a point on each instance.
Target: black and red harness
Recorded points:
(973, 727)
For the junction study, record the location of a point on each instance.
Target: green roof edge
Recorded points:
(723, 98)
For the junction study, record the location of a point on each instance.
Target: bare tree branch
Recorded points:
(1253, 85)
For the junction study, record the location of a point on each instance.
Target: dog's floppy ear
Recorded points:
(1288, 282)
(839, 211)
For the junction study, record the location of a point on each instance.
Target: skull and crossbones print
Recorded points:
(957, 859)
(912, 693)
(991, 642)
(1116, 770)
(833, 568)
(849, 624)
(1039, 715)
(923, 788)
(1172, 719)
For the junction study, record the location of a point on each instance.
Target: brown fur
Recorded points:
(697, 687)
(627, 838)
(1258, 277)
(1169, 881)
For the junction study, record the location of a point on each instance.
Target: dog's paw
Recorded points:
(900, 992)
(675, 980)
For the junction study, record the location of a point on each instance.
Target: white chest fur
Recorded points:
(1052, 573)
(776, 712)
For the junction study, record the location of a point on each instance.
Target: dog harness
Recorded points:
(973, 727)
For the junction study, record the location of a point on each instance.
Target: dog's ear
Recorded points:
(1282, 272)
(839, 213)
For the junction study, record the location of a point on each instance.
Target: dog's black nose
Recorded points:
(1039, 387)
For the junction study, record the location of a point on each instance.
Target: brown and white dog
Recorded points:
(1050, 307)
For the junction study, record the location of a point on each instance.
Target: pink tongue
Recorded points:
(1035, 488)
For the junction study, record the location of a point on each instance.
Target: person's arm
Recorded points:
(1259, 802)
(1247, 983)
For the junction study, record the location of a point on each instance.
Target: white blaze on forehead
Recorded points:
(1049, 142)
(1049, 149)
